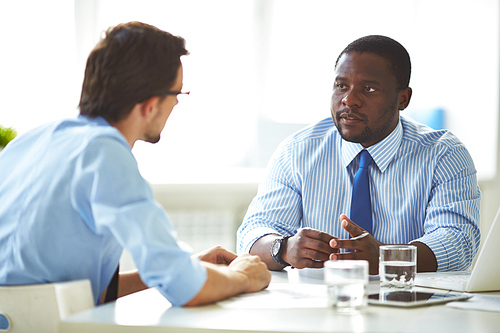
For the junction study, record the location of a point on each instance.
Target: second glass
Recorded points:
(398, 266)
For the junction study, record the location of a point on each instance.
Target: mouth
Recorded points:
(349, 118)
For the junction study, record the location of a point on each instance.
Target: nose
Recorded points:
(351, 99)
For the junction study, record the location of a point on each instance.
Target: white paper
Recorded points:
(479, 302)
(281, 296)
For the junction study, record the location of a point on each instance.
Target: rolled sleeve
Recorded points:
(449, 253)
(247, 236)
(190, 278)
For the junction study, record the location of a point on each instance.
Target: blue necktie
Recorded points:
(361, 206)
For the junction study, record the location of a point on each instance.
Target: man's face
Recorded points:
(165, 108)
(365, 100)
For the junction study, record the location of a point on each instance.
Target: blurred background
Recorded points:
(258, 70)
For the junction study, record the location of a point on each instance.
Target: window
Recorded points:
(258, 71)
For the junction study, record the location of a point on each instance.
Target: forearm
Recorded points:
(130, 282)
(221, 283)
(426, 260)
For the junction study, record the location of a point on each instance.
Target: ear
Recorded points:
(148, 107)
(404, 98)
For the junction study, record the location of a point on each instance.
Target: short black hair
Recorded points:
(133, 62)
(387, 48)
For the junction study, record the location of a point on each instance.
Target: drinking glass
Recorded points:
(398, 266)
(346, 281)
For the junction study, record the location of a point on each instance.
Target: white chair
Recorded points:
(39, 308)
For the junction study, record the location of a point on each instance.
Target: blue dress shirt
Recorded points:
(71, 198)
(422, 182)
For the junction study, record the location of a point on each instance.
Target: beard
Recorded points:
(371, 133)
(152, 138)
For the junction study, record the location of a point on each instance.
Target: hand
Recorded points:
(254, 270)
(308, 248)
(366, 248)
(216, 255)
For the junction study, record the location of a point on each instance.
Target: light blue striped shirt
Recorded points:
(423, 188)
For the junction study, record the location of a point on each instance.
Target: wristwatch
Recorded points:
(278, 246)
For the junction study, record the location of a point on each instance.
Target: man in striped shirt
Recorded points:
(423, 182)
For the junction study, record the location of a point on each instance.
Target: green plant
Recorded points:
(6, 135)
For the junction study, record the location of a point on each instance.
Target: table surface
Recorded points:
(267, 311)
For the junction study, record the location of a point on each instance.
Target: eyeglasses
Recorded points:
(175, 93)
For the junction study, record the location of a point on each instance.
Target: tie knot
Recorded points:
(365, 159)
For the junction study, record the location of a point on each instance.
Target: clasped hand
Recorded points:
(251, 267)
(311, 248)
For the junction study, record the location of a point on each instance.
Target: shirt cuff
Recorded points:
(443, 249)
(249, 238)
(186, 284)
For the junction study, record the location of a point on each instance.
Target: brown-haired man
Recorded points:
(72, 197)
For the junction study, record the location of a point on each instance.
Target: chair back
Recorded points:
(40, 307)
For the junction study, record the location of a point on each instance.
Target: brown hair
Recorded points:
(133, 62)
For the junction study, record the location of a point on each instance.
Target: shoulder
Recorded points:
(67, 137)
(421, 135)
(88, 141)
(90, 129)
(86, 133)
(442, 146)
(312, 134)
(304, 147)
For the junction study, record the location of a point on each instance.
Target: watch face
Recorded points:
(275, 248)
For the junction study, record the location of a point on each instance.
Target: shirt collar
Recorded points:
(97, 120)
(100, 121)
(382, 152)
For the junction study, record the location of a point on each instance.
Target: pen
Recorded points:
(363, 235)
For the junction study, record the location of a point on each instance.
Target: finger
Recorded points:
(345, 256)
(313, 240)
(342, 244)
(355, 243)
(314, 255)
(352, 228)
(225, 257)
(316, 234)
(308, 263)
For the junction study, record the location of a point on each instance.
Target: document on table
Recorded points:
(281, 296)
(479, 302)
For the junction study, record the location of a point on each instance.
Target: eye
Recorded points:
(369, 89)
(339, 85)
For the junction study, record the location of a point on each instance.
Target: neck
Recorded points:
(127, 131)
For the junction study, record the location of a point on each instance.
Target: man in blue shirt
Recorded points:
(72, 197)
(422, 182)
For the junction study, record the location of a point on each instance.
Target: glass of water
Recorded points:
(346, 281)
(398, 266)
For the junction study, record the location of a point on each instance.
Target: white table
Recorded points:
(148, 311)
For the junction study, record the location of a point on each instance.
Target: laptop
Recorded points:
(484, 277)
